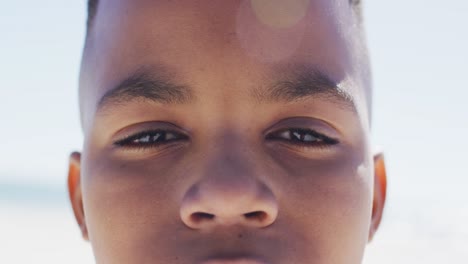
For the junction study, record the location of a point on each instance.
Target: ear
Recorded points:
(74, 191)
(380, 192)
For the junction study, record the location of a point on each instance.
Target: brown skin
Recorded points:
(226, 189)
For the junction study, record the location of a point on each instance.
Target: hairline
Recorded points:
(93, 6)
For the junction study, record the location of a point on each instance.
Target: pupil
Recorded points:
(297, 135)
(309, 138)
(156, 137)
(149, 138)
(304, 136)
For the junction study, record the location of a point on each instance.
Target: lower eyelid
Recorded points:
(151, 150)
(309, 152)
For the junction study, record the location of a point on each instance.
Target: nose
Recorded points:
(226, 200)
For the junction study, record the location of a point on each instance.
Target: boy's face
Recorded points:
(226, 131)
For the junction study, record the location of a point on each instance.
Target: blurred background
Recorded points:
(419, 52)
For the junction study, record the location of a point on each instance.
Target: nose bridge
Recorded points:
(230, 166)
(228, 191)
(229, 163)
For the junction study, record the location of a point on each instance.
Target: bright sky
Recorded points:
(419, 52)
(40, 52)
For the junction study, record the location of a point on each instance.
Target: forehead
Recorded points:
(221, 47)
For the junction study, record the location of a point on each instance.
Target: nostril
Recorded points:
(200, 216)
(259, 216)
(216, 202)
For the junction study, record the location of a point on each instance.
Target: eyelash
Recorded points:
(148, 139)
(303, 137)
(295, 136)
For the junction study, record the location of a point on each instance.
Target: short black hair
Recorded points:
(92, 10)
(93, 6)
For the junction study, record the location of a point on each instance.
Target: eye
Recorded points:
(300, 136)
(150, 139)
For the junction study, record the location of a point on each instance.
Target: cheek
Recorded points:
(330, 201)
(128, 204)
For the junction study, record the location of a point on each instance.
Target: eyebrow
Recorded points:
(306, 83)
(303, 84)
(146, 86)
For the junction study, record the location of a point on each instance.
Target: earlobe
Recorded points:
(74, 191)
(380, 192)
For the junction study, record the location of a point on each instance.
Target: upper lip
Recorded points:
(236, 260)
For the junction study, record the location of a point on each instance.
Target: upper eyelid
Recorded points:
(145, 127)
(307, 123)
(303, 128)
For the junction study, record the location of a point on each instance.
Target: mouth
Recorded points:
(241, 260)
